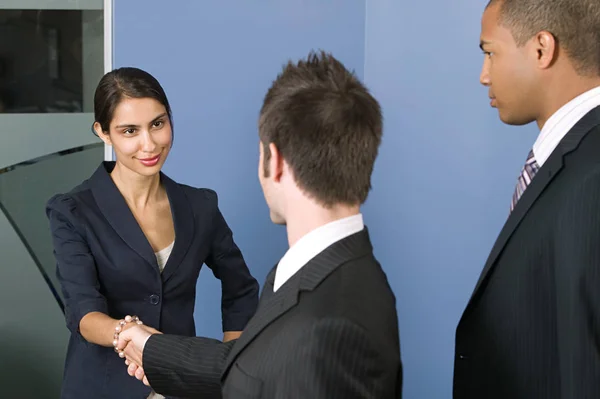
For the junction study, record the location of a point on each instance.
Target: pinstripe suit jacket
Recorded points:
(331, 331)
(532, 327)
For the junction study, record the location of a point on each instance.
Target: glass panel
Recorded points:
(25, 188)
(50, 60)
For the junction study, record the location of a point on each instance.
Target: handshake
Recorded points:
(129, 340)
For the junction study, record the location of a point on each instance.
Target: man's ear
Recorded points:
(546, 46)
(275, 163)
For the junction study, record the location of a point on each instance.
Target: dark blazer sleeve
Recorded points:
(577, 251)
(239, 297)
(185, 366)
(75, 265)
(335, 359)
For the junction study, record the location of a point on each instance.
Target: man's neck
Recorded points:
(137, 190)
(311, 216)
(562, 91)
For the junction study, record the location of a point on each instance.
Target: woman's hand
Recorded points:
(99, 328)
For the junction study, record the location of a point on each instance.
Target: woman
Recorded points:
(131, 241)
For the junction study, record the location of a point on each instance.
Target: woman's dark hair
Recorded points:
(121, 83)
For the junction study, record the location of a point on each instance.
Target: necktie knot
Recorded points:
(529, 170)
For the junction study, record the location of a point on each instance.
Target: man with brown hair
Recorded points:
(326, 326)
(532, 327)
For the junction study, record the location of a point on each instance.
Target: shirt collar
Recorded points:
(559, 124)
(313, 243)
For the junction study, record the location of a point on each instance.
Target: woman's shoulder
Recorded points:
(81, 195)
(68, 202)
(203, 195)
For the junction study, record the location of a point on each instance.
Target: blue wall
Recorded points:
(447, 167)
(445, 175)
(216, 60)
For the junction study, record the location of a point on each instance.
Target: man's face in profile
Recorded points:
(508, 71)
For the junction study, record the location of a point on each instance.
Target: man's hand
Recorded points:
(137, 372)
(133, 340)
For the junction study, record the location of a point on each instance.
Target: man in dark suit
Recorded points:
(326, 325)
(532, 326)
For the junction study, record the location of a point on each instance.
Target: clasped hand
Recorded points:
(132, 342)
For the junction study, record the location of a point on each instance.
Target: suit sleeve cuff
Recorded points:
(236, 321)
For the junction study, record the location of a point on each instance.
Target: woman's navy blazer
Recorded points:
(106, 264)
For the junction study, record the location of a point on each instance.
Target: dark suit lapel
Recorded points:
(270, 307)
(183, 220)
(542, 179)
(274, 305)
(116, 211)
(267, 291)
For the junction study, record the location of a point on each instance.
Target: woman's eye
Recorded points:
(129, 131)
(158, 123)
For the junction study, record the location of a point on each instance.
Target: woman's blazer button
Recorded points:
(154, 299)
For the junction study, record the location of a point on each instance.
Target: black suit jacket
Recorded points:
(105, 264)
(331, 331)
(532, 327)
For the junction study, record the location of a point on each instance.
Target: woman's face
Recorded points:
(141, 135)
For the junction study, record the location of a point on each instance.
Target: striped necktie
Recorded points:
(529, 170)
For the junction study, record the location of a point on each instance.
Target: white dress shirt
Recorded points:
(162, 256)
(312, 244)
(562, 121)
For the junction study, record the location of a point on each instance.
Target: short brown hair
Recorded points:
(574, 23)
(326, 125)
